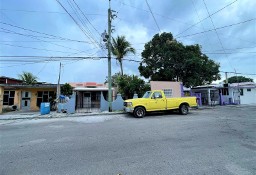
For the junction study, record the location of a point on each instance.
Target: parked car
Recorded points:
(157, 101)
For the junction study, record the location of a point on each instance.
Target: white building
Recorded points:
(225, 94)
(243, 93)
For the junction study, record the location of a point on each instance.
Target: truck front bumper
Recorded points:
(128, 109)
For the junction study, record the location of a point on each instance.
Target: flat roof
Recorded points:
(91, 89)
(29, 86)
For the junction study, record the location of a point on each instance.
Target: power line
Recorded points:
(80, 27)
(77, 14)
(230, 25)
(40, 40)
(30, 56)
(36, 11)
(166, 17)
(86, 18)
(153, 16)
(34, 48)
(54, 36)
(238, 73)
(218, 36)
(209, 15)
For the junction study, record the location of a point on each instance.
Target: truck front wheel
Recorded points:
(183, 109)
(139, 112)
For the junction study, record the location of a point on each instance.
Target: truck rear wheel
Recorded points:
(183, 109)
(139, 112)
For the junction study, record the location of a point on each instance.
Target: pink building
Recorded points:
(171, 89)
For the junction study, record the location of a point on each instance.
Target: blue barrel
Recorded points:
(45, 108)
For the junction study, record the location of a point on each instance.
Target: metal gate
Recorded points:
(87, 102)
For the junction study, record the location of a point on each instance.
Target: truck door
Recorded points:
(157, 102)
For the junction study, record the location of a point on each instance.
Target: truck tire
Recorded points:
(139, 112)
(183, 109)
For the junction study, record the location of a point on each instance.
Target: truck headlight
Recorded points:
(129, 104)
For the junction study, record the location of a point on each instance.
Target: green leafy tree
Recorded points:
(130, 84)
(114, 79)
(28, 78)
(239, 79)
(66, 89)
(165, 59)
(120, 48)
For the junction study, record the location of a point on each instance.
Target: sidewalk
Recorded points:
(15, 115)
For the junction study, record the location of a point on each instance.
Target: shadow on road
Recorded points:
(159, 114)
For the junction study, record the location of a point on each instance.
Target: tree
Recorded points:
(66, 89)
(28, 78)
(130, 84)
(239, 79)
(165, 59)
(120, 48)
(114, 79)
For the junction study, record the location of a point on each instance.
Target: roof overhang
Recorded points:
(35, 86)
(90, 89)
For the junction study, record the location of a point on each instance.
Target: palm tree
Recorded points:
(28, 78)
(120, 48)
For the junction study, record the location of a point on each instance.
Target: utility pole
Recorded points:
(58, 87)
(109, 61)
(226, 75)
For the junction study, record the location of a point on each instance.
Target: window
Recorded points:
(249, 90)
(167, 92)
(157, 95)
(147, 94)
(241, 92)
(224, 91)
(44, 96)
(9, 98)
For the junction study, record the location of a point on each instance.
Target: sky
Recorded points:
(36, 35)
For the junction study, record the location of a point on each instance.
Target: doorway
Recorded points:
(87, 100)
(25, 100)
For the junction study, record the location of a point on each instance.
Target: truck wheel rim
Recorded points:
(140, 113)
(184, 110)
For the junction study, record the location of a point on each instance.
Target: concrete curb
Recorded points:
(62, 116)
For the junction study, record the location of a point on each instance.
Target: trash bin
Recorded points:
(45, 108)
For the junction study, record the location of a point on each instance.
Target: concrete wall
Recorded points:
(117, 104)
(160, 85)
(1, 98)
(17, 98)
(249, 97)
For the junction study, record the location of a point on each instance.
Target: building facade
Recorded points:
(25, 97)
(88, 95)
(171, 89)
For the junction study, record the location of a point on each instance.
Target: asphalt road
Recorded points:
(212, 141)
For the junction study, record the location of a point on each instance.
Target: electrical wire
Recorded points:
(230, 63)
(34, 48)
(87, 18)
(80, 27)
(153, 16)
(35, 11)
(217, 28)
(51, 36)
(209, 15)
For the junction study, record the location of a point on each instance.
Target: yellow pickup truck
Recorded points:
(156, 101)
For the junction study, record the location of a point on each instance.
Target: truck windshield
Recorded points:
(147, 94)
